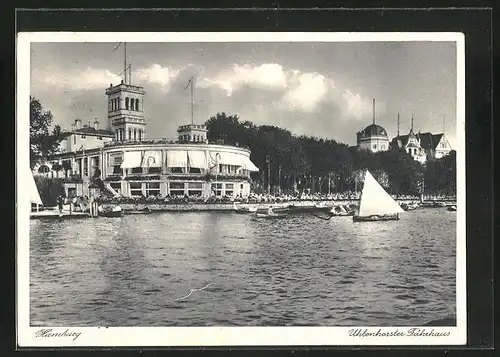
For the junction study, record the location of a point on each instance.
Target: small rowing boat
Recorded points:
(110, 211)
(243, 210)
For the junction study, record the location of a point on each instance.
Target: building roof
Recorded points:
(428, 141)
(90, 130)
(372, 130)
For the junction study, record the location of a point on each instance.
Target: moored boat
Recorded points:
(111, 211)
(243, 209)
(375, 203)
(452, 208)
(270, 216)
(341, 210)
(139, 210)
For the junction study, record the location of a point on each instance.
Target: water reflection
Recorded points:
(236, 270)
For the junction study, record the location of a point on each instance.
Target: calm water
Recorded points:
(138, 270)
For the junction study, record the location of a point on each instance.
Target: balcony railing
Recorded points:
(160, 141)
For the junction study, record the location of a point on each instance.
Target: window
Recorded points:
(217, 189)
(74, 139)
(241, 186)
(176, 188)
(154, 170)
(152, 188)
(126, 103)
(195, 188)
(194, 170)
(83, 136)
(116, 162)
(85, 167)
(374, 146)
(117, 186)
(229, 189)
(135, 189)
(130, 134)
(71, 192)
(177, 170)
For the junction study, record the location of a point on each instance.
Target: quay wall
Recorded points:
(227, 207)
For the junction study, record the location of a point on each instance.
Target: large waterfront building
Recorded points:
(373, 138)
(131, 164)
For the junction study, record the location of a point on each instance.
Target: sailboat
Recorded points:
(375, 203)
(34, 194)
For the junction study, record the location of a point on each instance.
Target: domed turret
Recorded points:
(373, 130)
(373, 138)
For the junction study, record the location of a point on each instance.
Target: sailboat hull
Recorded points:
(373, 218)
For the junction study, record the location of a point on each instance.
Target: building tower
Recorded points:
(125, 108)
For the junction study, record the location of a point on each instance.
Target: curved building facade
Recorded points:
(132, 165)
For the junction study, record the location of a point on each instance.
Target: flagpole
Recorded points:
(192, 103)
(125, 62)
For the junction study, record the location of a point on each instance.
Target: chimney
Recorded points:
(78, 123)
(96, 125)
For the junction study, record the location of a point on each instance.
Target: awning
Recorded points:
(177, 158)
(197, 159)
(226, 158)
(247, 164)
(152, 159)
(131, 159)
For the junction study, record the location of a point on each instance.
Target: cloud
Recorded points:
(156, 74)
(266, 76)
(355, 106)
(299, 90)
(306, 91)
(90, 78)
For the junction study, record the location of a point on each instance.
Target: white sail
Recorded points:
(375, 200)
(34, 194)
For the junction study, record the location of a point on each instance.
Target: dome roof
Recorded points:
(373, 130)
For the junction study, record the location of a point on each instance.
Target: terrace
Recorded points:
(167, 141)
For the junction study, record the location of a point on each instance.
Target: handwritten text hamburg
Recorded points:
(413, 332)
(51, 334)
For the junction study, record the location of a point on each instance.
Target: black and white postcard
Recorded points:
(237, 189)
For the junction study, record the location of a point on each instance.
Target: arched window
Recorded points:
(140, 135)
(130, 134)
(135, 134)
(126, 103)
(137, 104)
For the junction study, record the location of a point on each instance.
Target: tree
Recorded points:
(42, 142)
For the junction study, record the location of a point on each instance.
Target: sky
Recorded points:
(322, 89)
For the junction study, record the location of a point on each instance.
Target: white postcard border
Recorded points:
(225, 336)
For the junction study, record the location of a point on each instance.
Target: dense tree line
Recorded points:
(303, 162)
(43, 142)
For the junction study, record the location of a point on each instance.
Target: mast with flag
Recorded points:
(125, 66)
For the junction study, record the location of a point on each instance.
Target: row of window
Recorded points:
(136, 134)
(130, 104)
(192, 189)
(196, 138)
